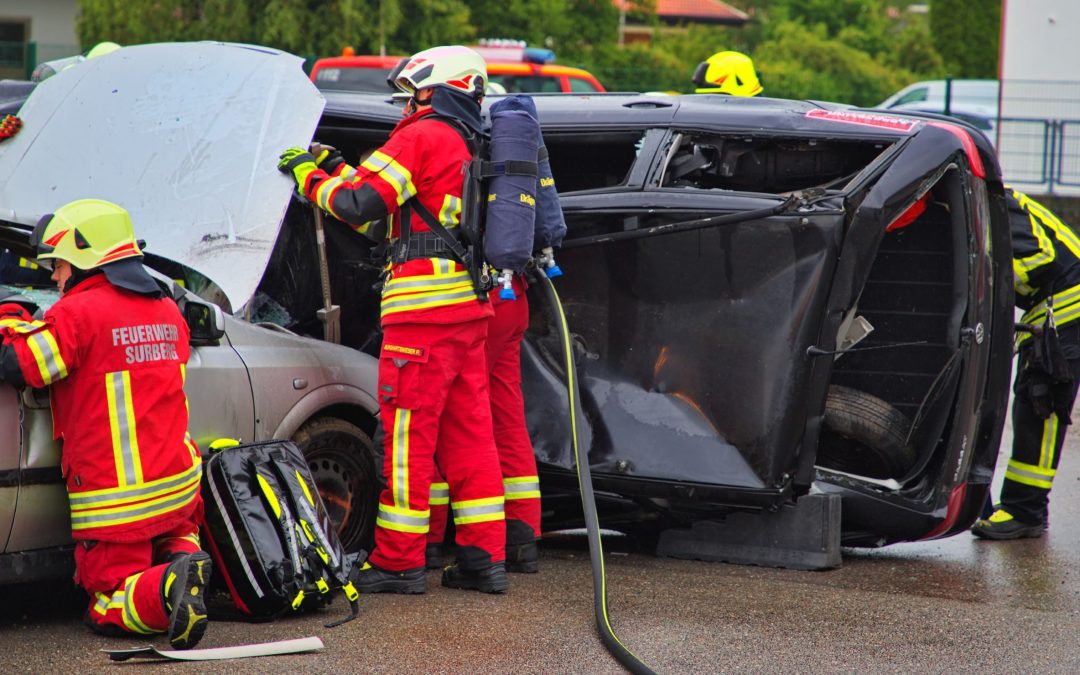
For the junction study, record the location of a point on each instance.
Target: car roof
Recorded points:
(706, 111)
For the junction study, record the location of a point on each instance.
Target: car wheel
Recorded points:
(864, 435)
(342, 463)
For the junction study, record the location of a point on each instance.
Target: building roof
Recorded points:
(695, 11)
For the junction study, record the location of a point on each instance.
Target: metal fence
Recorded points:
(1038, 135)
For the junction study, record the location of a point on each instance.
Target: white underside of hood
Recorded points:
(185, 136)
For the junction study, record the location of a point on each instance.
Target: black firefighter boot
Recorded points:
(522, 553)
(184, 590)
(372, 579)
(434, 556)
(475, 571)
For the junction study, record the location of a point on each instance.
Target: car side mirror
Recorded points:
(205, 321)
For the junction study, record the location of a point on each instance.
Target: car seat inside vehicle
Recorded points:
(763, 164)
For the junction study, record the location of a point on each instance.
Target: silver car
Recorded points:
(186, 138)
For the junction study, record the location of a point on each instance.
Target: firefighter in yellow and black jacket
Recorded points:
(1046, 278)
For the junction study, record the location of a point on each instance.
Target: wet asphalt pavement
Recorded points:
(958, 605)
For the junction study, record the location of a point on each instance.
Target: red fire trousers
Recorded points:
(125, 580)
(516, 458)
(433, 392)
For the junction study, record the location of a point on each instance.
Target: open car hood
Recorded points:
(185, 136)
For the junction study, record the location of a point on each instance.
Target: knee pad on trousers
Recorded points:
(473, 558)
(518, 532)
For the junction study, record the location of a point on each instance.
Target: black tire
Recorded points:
(342, 462)
(864, 435)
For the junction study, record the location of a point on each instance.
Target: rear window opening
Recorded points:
(889, 408)
(592, 161)
(771, 165)
(529, 84)
(353, 79)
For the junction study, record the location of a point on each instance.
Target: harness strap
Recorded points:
(428, 245)
(509, 167)
(404, 244)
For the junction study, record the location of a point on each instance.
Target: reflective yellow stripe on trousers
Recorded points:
(1041, 475)
(398, 516)
(478, 510)
(440, 494)
(522, 487)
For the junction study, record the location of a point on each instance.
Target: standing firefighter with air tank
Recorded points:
(522, 215)
(433, 385)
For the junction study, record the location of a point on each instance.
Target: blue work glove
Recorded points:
(301, 164)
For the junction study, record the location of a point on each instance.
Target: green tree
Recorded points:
(431, 23)
(596, 24)
(538, 22)
(801, 63)
(128, 22)
(966, 34)
(284, 22)
(299, 26)
(637, 67)
(914, 49)
(224, 19)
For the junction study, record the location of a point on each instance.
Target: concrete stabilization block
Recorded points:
(804, 536)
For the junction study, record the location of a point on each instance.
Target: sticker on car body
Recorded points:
(865, 119)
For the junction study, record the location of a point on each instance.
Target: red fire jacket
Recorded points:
(114, 362)
(426, 159)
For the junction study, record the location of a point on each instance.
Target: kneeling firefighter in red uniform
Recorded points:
(113, 351)
(433, 388)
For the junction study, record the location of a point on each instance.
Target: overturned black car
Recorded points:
(766, 297)
(771, 302)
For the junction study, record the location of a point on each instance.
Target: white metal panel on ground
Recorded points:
(185, 136)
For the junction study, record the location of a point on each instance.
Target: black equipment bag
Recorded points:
(267, 530)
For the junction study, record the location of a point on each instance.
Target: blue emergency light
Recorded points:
(539, 55)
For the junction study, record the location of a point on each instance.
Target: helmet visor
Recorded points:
(698, 79)
(393, 81)
(37, 237)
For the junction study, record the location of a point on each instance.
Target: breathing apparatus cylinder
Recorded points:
(550, 226)
(511, 207)
(550, 223)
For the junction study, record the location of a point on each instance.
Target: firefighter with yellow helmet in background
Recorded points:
(727, 73)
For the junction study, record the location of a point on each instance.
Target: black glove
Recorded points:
(327, 157)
